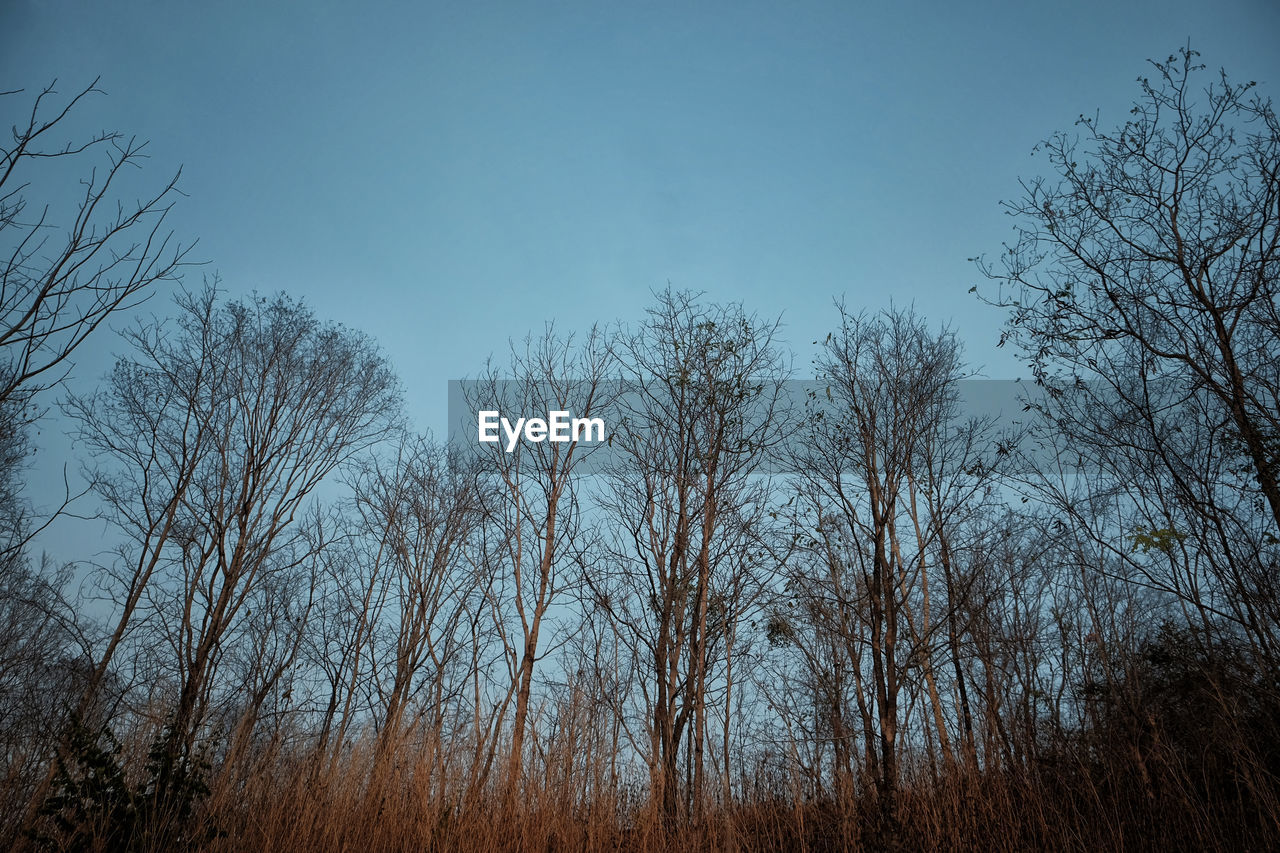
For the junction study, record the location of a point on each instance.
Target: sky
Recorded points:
(449, 176)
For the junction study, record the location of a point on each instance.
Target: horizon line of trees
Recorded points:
(893, 628)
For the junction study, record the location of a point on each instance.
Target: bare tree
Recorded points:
(531, 499)
(56, 288)
(421, 512)
(872, 482)
(701, 410)
(1144, 287)
(43, 659)
(209, 443)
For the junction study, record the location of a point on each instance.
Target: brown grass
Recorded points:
(284, 805)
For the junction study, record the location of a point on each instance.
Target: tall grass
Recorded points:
(422, 797)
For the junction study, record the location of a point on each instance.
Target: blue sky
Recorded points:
(446, 176)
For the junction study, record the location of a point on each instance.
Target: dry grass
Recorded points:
(411, 805)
